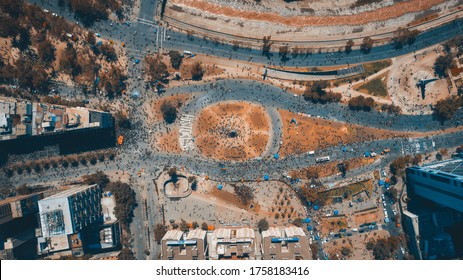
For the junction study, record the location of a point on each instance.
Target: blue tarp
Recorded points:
(367, 154)
(137, 61)
(315, 207)
(220, 187)
(266, 177)
(306, 220)
(336, 212)
(309, 227)
(99, 43)
(276, 156)
(381, 182)
(344, 149)
(387, 185)
(293, 120)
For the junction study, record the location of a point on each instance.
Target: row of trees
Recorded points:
(39, 166)
(401, 37)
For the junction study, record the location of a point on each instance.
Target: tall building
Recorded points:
(440, 182)
(19, 206)
(18, 220)
(64, 215)
(285, 243)
(233, 243)
(434, 218)
(177, 245)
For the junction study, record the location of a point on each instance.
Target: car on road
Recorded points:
(386, 220)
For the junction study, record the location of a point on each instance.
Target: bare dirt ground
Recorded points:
(330, 168)
(232, 131)
(333, 224)
(168, 141)
(300, 20)
(406, 71)
(359, 218)
(218, 207)
(312, 134)
(380, 14)
(357, 244)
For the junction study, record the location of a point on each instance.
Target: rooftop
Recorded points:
(173, 235)
(450, 168)
(69, 192)
(196, 234)
(24, 118)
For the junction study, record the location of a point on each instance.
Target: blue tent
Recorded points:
(293, 120)
(306, 220)
(344, 149)
(381, 182)
(336, 212)
(99, 43)
(309, 227)
(387, 185)
(266, 177)
(97, 80)
(367, 154)
(315, 207)
(220, 187)
(276, 156)
(137, 61)
(317, 237)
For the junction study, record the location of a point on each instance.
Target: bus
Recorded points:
(322, 159)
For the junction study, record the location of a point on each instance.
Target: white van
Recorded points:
(311, 153)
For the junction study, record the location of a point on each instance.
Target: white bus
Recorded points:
(322, 159)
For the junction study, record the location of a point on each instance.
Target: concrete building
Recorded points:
(440, 182)
(64, 215)
(106, 236)
(22, 119)
(18, 220)
(434, 218)
(29, 126)
(233, 243)
(285, 243)
(19, 206)
(177, 245)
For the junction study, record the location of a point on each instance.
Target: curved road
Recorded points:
(141, 37)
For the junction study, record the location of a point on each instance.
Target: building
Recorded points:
(64, 215)
(434, 218)
(29, 126)
(106, 236)
(285, 243)
(177, 245)
(440, 182)
(18, 207)
(233, 243)
(18, 220)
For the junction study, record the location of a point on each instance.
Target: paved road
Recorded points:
(145, 38)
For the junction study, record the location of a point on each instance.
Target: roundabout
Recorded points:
(232, 131)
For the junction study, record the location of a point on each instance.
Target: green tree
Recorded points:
(262, 225)
(367, 45)
(125, 201)
(197, 71)
(155, 69)
(98, 177)
(348, 47)
(169, 111)
(175, 59)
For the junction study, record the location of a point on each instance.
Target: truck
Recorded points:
(322, 159)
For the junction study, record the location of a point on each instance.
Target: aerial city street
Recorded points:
(224, 130)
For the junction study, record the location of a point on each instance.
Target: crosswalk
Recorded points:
(161, 32)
